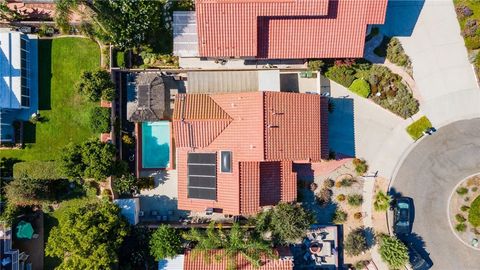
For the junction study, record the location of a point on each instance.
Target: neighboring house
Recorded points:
(18, 80)
(266, 29)
(197, 262)
(235, 152)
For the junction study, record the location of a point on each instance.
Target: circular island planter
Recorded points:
(464, 211)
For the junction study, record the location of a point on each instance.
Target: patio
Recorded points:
(319, 249)
(160, 203)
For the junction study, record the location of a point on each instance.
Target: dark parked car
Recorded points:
(417, 261)
(402, 216)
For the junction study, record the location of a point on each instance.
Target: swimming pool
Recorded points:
(156, 145)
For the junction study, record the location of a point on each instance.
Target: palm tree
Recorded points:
(382, 201)
(237, 241)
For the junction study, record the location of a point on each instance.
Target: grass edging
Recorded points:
(416, 129)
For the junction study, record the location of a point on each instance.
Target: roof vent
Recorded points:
(272, 126)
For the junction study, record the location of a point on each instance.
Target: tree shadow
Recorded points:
(29, 132)
(370, 237)
(44, 74)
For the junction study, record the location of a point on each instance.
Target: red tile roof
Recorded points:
(286, 29)
(198, 263)
(265, 131)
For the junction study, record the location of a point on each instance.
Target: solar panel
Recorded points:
(202, 176)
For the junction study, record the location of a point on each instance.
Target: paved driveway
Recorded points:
(428, 175)
(441, 69)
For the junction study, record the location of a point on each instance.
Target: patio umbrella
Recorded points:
(24, 230)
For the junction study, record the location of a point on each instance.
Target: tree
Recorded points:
(91, 159)
(356, 242)
(315, 65)
(100, 120)
(95, 85)
(126, 23)
(287, 222)
(393, 252)
(26, 191)
(382, 201)
(88, 237)
(135, 250)
(237, 241)
(166, 242)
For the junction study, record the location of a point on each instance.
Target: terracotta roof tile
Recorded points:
(199, 263)
(265, 133)
(286, 29)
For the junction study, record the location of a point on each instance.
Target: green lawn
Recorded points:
(416, 129)
(61, 61)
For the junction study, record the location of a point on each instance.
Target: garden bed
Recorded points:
(464, 211)
(387, 89)
(468, 15)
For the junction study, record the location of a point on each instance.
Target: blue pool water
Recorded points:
(156, 145)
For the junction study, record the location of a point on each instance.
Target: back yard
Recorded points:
(64, 112)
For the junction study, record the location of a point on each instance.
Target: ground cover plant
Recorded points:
(474, 212)
(416, 129)
(468, 14)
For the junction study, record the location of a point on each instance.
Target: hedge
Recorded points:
(360, 87)
(37, 170)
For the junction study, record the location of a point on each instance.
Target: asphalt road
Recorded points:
(429, 174)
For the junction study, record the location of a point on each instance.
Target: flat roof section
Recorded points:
(185, 37)
(211, 82)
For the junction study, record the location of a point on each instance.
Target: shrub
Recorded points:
(345, 182)
(341, 197)
(165, 242)
(361, 166)
(127, 139)
(37, 169)
(472, 43)
(396, 53)
(355, 200)
(382, 201)
(341, 74)
(339, 217)
(357, 215)
(356, 242)
(474, 189)
(328, 183)
(463, 11)
(416, 129)
(460, 227)
(324, 197)
(460, 218)
(462, 190)
(125, 185)
(466, 199)
(470, 28)
(274, 220)
(393, 252)
(95, 85)
(464, 208)
(360, 87)
(474, 212)
(100, 120)
(315, 65)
